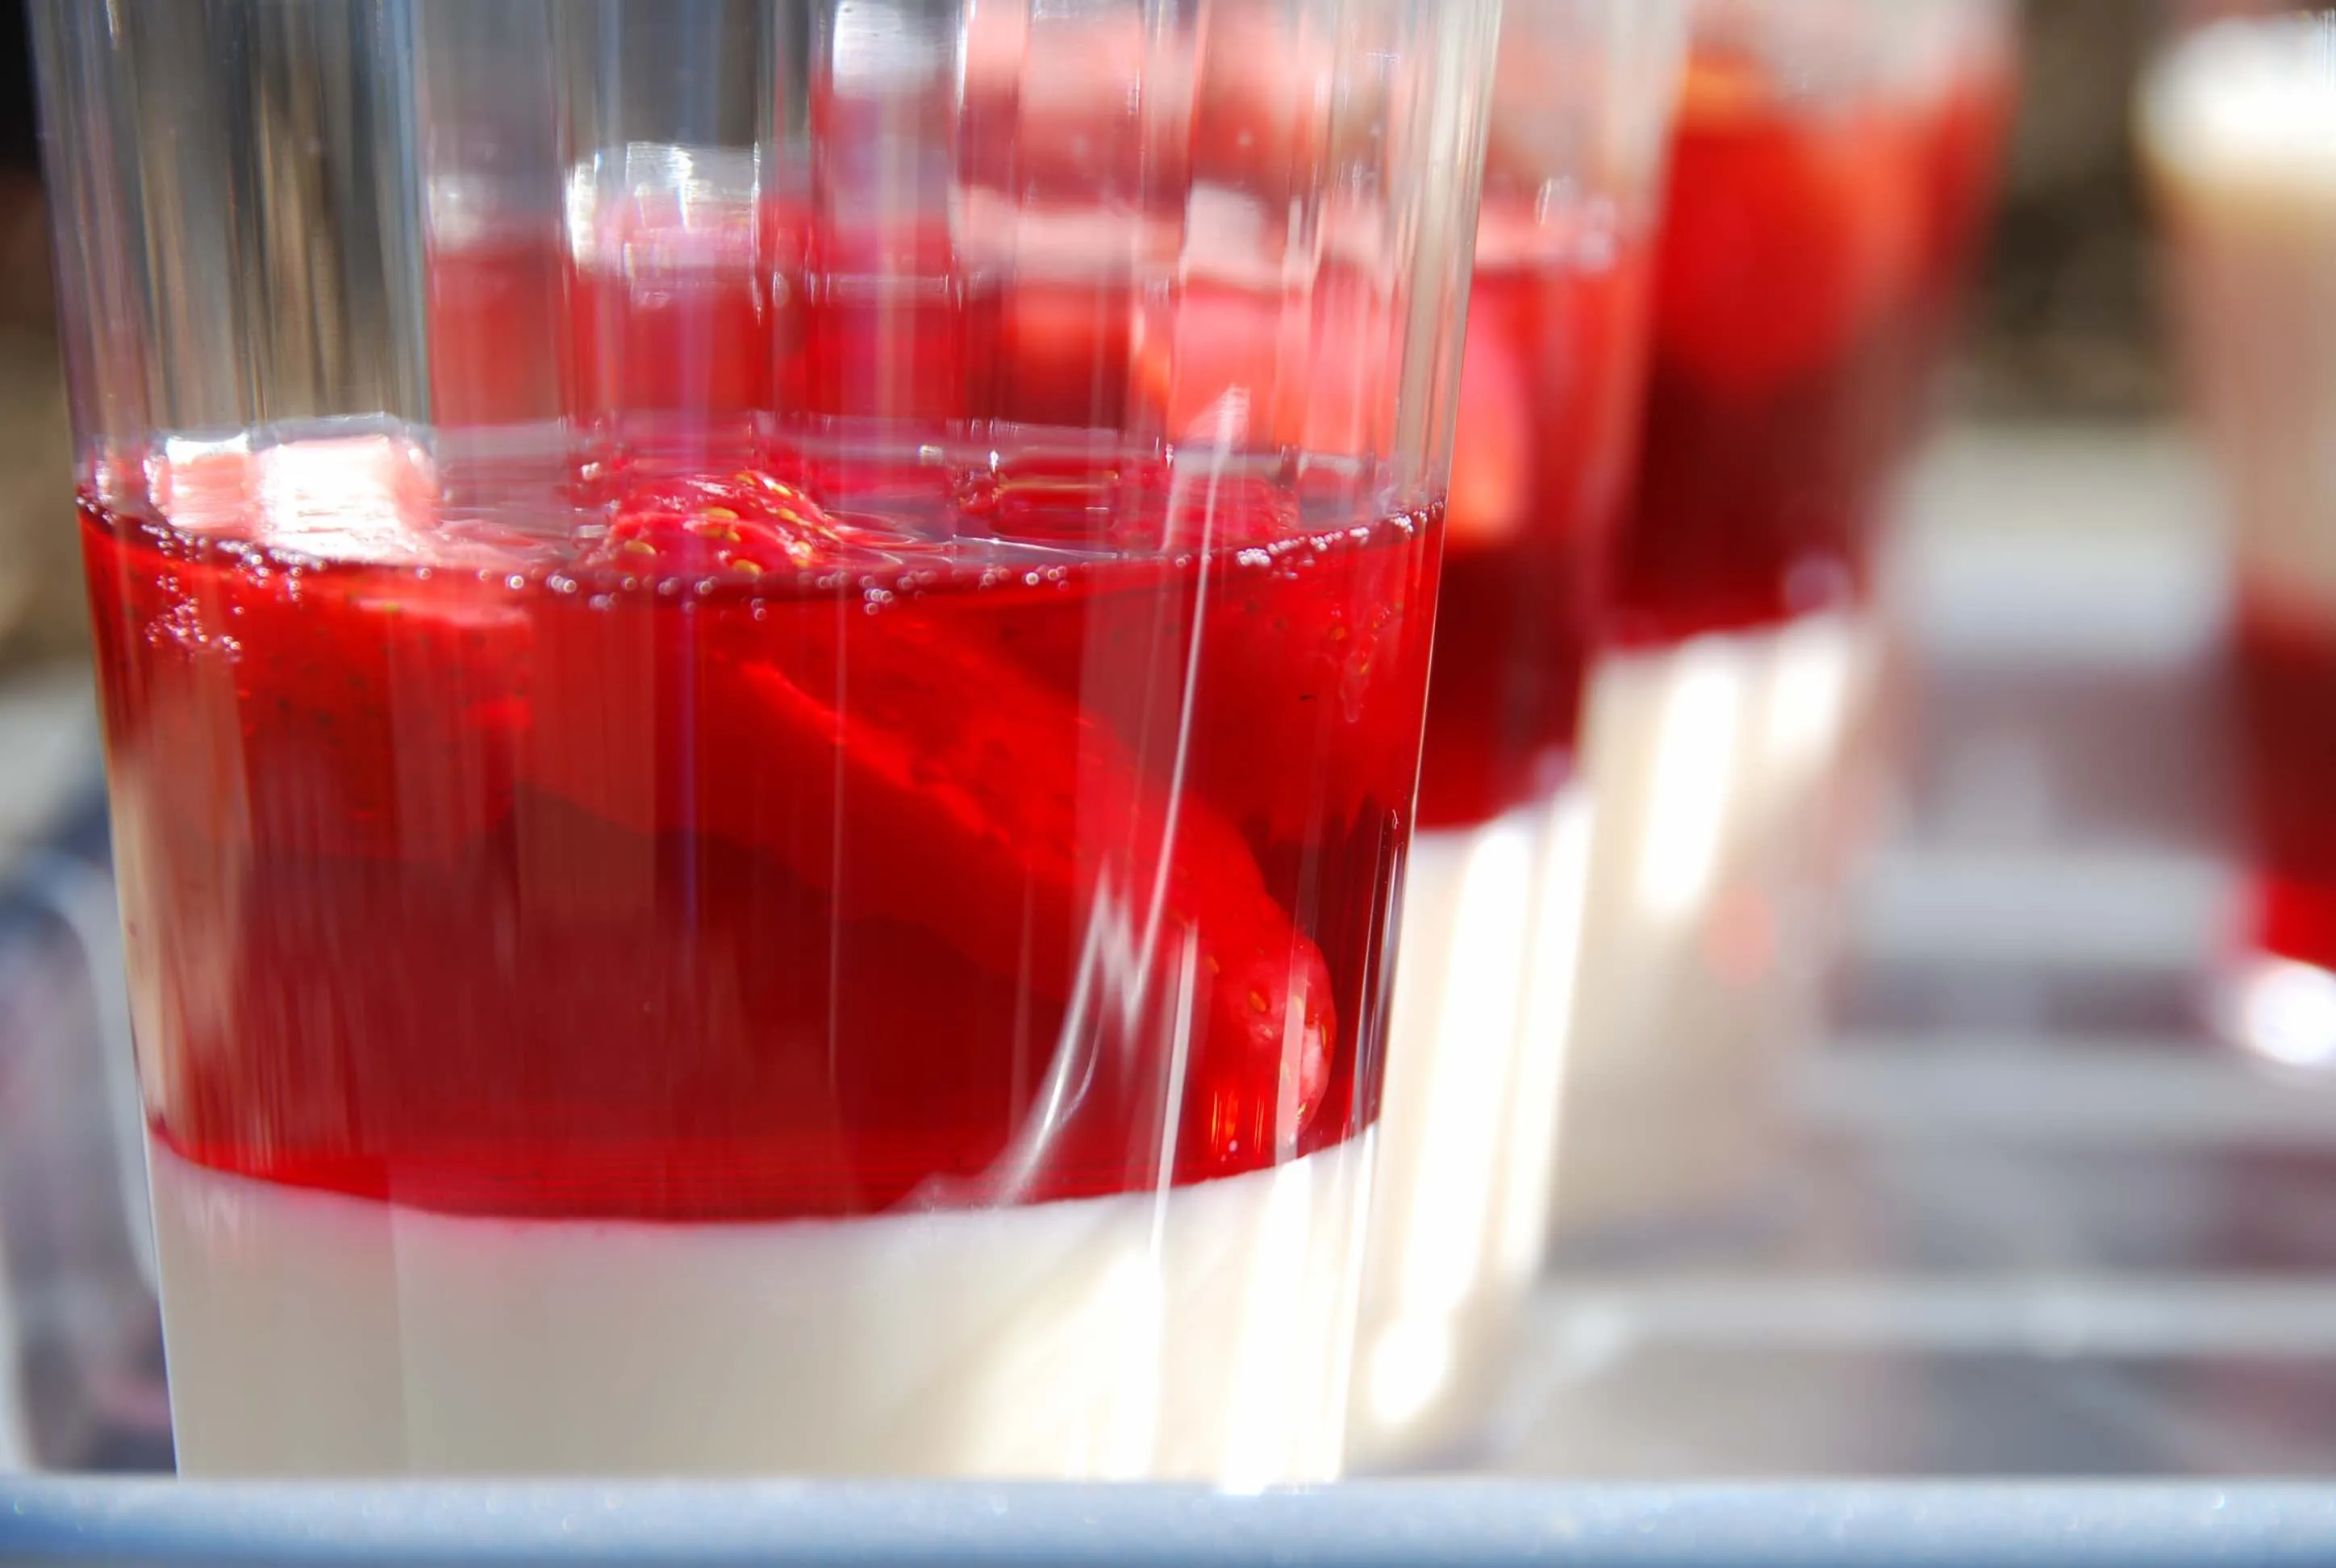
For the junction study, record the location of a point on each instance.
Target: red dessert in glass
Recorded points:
(2234, 125)
(1550, 398)
(753, 823)
(743, 856)
(1549, 408)
(1808, 261)
(2287, 701)
(1829, 169)
(1492, 895)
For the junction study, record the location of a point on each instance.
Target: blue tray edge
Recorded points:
(2133, 1525)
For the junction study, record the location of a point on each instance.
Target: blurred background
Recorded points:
(2064, 320)
(2024, 1201)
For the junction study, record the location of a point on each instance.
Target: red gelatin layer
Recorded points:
(1807, 267)
(2287, 712)
(1549, 407)
(738, 856)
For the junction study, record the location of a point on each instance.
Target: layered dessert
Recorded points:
(757, 944)
(1717, 765)
(1549, 389)
(1828, 175)
(2238, 125)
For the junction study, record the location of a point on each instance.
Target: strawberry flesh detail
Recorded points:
(913, 777)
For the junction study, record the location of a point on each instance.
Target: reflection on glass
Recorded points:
(1550, 395)
(757, 825)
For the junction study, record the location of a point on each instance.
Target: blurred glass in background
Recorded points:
(1830, 179)
(2237, 122)
(1550, 395)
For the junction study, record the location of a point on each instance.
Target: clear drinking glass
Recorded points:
(1550, 399)
(763, 664)
(2237, 125)
(1828, 181)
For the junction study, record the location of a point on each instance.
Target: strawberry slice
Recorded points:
(745, 524)
(1313, 646)
(1787, 234)
(892, 763)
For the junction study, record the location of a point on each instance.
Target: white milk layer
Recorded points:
(1722, 767)
(1492, 923)
(2238, 127)
(1203, 1332)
